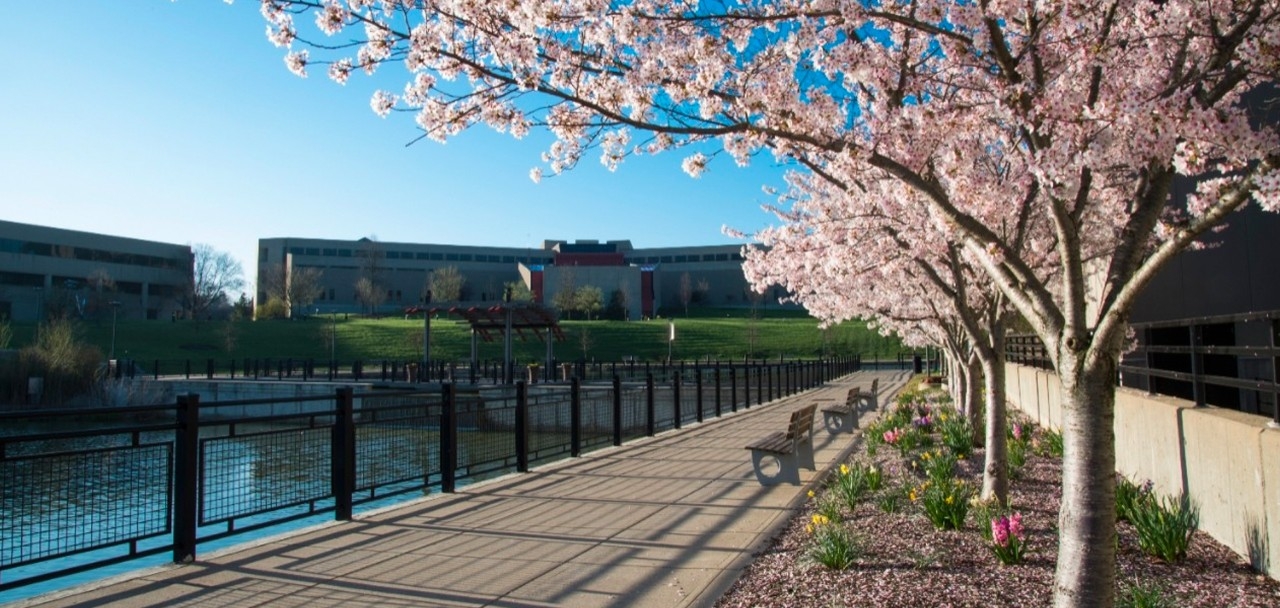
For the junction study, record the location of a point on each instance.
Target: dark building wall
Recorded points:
(1237, 275)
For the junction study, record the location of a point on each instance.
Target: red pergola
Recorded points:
(502, 320)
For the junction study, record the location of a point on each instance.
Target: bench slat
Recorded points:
(777, 443)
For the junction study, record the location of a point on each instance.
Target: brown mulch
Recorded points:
(909, 563)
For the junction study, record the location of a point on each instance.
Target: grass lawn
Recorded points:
(706, 333)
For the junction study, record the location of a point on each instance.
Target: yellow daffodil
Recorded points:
(811, 494)
(844, 469)
(951, 500)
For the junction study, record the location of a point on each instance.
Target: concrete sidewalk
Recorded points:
(669, 521)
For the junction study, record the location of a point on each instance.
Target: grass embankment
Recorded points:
(722, 334)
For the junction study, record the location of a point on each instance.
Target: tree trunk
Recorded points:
(973, 405)
(1086, 568)
(957, 381)
(995, 470)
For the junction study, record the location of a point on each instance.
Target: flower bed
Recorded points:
(901, 558)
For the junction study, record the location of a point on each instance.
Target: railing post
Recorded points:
(1197, 370)
(651, 415)
(1275, 376)
(617, 409)
(746, 387)
(675, 399)
(761, 370)
(522, 427)
(719, 411)
(186, 478)
(448, 439)
(769, 371)
(343, 459)
(697, 371)
(575, 416)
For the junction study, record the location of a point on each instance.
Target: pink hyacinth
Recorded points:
(891, 436)
(1000, 530)
(1017, 431)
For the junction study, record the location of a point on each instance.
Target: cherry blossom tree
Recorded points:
(1079, 112)
(842, 260)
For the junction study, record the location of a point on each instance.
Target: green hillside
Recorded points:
(706, 334)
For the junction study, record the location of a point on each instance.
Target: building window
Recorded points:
(331, 252)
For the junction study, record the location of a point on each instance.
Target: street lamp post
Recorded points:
(115, 308)
(333, 338)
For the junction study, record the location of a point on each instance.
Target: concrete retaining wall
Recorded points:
(166, 391)
(1228, 462)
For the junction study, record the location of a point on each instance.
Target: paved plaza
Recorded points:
(667, 521)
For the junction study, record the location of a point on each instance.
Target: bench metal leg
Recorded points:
(840, 422)
(804, 453)
(869, 400)
(788, 467)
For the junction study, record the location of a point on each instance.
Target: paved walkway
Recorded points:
(669, 521)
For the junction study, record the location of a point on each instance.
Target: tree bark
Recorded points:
(973, 400)
(995, 472)
(1085, 574)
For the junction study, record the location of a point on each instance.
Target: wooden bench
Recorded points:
(843, 417)
(872, 399)
(791, 449)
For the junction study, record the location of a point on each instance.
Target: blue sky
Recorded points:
(178, 122)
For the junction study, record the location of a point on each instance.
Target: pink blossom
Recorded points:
(297, 63)
(382, 102)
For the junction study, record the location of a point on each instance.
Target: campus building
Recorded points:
(643, 282)
(84, 273)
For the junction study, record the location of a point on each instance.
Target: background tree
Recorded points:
(446, 284)
(243, 307)
(214, 274)
(701, 291)
(619, 305)
(1083, 112)
(588, 300)
(370, 295)
(102, 290)
(585, 341)
(565, 299)
(6, 332)
(370, 286)
(518, 290)
(59, 355)
(296, 290)
(686, 292)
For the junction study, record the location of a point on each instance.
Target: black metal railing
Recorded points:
(479, 372)
(80, 489)
(1228, 361)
